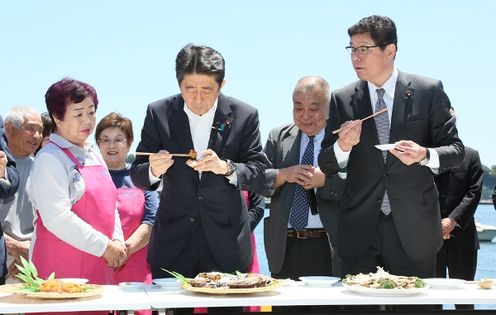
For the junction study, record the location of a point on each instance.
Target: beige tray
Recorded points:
(274, 285)
(92, 290)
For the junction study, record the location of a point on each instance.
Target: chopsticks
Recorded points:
(173, 154)
(364, 119)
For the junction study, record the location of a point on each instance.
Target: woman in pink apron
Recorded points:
(137, 208)
(77, 228)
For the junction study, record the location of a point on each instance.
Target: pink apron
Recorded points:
(97, 208)
(131, 207)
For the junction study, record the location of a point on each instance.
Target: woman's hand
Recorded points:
(115, 254)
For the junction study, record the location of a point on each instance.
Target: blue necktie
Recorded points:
(299, 211)
(382, 125)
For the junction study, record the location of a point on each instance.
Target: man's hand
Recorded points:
(349, 135)
(160, 162)
(447, 225)
(210, 162)
(408, 152)
(317, 179)
(3, 163)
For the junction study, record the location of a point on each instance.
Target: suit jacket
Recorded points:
(283, 150)
(460, 190)
(7, 189)
(210, 202)
(420, 113)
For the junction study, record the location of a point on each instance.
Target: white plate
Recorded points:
(167, 282)
(74, 280)
(132, 286)
(385, 147)
(319, 281)
(444, 283)
(385, 292)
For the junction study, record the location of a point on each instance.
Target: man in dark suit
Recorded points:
(202, 223)
(460, 190)
(294, 251)
(390, 213)
(9, 180)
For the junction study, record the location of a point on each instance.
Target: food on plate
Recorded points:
(226, 280)
(55, 285)
(485, 283)
(29, 275)
(383, 280)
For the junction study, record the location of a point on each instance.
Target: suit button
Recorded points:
(200, 198)
(192, 219)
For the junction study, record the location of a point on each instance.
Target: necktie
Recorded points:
(299, 211)
(382, 124)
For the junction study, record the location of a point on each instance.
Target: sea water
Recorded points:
(486, 266)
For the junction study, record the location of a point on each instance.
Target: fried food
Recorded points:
(55, 285)
(225, 280)
(485, 283)
(383, 280)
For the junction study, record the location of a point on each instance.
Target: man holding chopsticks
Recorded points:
(390, 212)
(202, 223)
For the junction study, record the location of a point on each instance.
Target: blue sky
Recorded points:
(126, 50)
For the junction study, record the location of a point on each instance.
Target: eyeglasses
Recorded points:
(116, 141)
(32, 129)
(360, 50)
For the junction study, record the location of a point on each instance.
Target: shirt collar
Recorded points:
(389, 86)
(193, 115)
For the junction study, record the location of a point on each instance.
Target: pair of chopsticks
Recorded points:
(364, 119)
(173, 154)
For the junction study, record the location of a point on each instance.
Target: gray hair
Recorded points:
(311, 83)
(17, 113)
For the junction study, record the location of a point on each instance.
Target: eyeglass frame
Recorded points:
(354, 50)
(107, 142)
(32, 129)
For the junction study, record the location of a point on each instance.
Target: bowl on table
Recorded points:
(167, 283)
(319, 281)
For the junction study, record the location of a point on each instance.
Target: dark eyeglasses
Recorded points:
(360, 50)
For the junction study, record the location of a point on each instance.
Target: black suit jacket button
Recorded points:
(192, 219)
(200, 198)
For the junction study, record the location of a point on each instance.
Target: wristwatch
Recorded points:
(425, 160)
(230, 168)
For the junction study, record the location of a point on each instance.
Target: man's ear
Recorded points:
(391, 50)
(222, 84)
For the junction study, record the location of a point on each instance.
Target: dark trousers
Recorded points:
(386, 251)
(308, 257)
(197, 257)
(458, 262)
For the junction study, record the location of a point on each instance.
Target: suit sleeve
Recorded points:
(8, 186)
(150, 142)
(327, 158)
(256, 208)
(443, 131)
(250, 161)
(464, 212)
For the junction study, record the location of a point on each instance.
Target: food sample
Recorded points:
(383, 280)
(55, 285)
(485, 283)
(230, 281)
